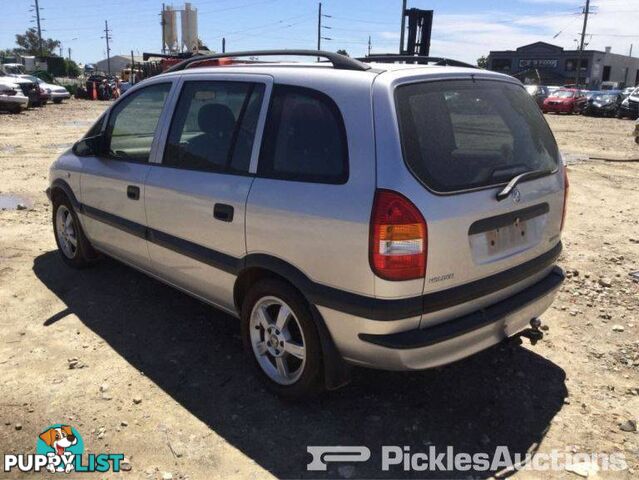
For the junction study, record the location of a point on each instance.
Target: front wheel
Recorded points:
(73, 246)
(57, 101)
(280, 336)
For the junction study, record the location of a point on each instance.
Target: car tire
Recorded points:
(73, 245)
(281, 339)
(57, 101)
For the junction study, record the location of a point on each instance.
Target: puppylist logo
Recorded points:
(60, 449)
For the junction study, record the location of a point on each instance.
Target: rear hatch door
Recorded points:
(463, 141)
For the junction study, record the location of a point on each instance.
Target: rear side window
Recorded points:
(214, 126)
(460, 135)
(304, 138)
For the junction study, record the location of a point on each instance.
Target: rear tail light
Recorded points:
(566, 187)
(398, 238)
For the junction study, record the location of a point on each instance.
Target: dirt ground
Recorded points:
(141, 369)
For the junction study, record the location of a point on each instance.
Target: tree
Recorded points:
(341, 51)
(482, 62)
(72, 68)
(29, 44)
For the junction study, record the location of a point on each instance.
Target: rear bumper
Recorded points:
(14, 100)
(62, 95)
(452, 340)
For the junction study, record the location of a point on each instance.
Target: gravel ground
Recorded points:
(141, 369)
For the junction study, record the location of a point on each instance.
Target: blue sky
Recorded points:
(463, 29)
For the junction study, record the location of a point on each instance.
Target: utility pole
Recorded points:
(319, 28)
(581, 44)
(107, 36)
(369, 45)
(37, 12)
(401, 33)
(132, 78)
(223, 44)
(625, 77)
(163, 23)
(69, 53)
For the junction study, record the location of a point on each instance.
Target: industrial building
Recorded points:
(552, 65)
(117, 63)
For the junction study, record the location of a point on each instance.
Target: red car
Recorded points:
(566, 100)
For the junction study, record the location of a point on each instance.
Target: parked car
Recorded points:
(539, 93)
(343, 213)
(611, 86)
(629, 107)
(12, 68)
(553, 88)
(627, 91)
(11, 97)
(44, 93)
(57, 92)
(565, 101)
(29, 89)
(605, 103)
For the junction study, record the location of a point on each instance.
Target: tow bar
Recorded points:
(534, 334)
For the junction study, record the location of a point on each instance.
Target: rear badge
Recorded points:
(441, 278)
(516, 195)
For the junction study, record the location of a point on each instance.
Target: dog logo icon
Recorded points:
(61, 443)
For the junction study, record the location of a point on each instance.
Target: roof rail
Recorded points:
(340, 62)
(416, 59)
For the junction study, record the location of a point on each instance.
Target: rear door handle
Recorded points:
(224, 212)
(133, 192)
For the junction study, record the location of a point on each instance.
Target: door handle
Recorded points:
(133, 192)
(224, 212)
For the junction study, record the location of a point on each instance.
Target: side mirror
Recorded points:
(89, 146)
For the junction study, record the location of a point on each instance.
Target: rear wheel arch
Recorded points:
(249, 277)
(259, 267)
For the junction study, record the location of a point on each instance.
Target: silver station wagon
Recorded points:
(391, 213)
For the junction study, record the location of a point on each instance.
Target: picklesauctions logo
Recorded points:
(60, 449)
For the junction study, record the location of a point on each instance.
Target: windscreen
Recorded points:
(563, 94)
(605, 98)
(465, 134)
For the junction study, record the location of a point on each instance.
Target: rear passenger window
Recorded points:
(214, 126)
(304, 138)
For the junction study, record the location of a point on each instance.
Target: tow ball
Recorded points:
(534, 334)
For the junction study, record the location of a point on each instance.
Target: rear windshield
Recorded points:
(460, 135)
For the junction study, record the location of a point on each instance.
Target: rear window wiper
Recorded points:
(530, 175)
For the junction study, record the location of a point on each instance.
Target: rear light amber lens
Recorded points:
(566, 188)
(398, 238)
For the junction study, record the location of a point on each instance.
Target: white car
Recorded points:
(11, 97)
(57, 92)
